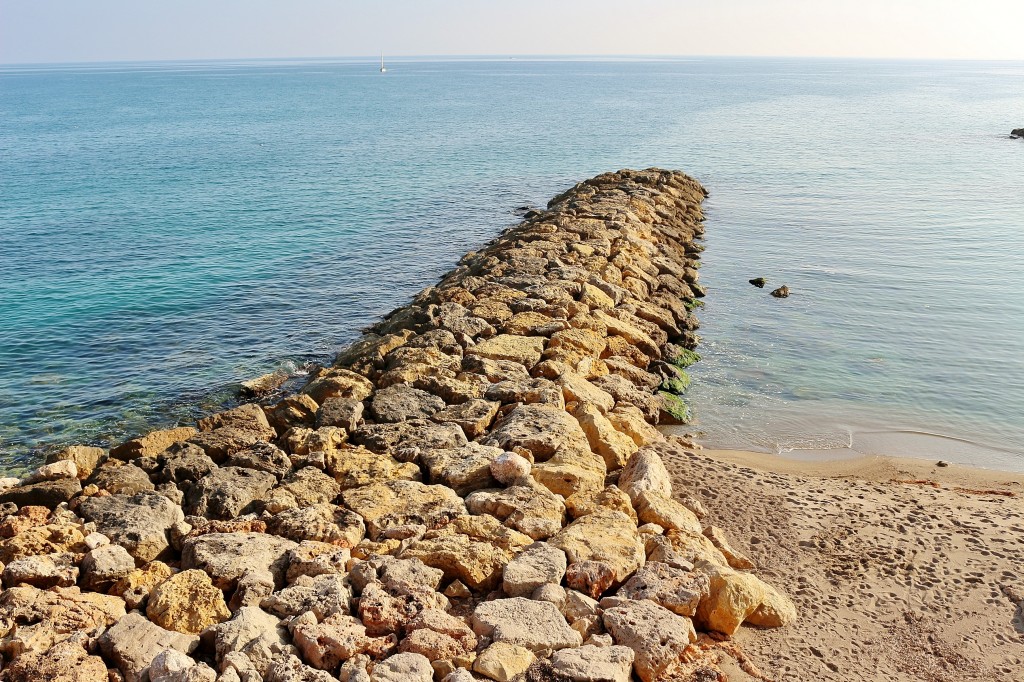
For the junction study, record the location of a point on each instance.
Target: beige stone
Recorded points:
(735, 597)
(534, 625)
(590, 501)
(609, 538)
(614, 446)
(356, 466)
(630, 421)
(735, 558)
(153, 443)
(667, 513)
(525, 350)
(187, 602)
(645, 471)
(657, 636)
(397, 503)
(503, 662)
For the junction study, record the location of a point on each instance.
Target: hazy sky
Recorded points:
(102, 30)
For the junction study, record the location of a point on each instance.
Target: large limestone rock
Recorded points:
(473, 549)
(66, 662)
(337, 638)
(228, 492)
(630, 421)
(503, 662)
(463, 470)
(319, 522)
(474, 416)
(657, 636)
(153, 443)
(140, 523)
(403, 667)
(86, 458)
(324, 595)
(407, 435)
(43, 571)
(541, 430)
(539, 564)
(535, 625)
(104, 566)
(187, 602)
(401, 402)
(226, 557)
(735, 597)
(44, 493)
(136, 587)
(591, 663)
(665, 512)
(608, 544)
(615, 447)
(339, 383)
(252, 631)
(399, 503)
(119, 478)
(646, 472)
(354, 467)
(44, 618)
(248, 417)
(677, 590)
(529, 508)
(133, 642)
(524, 350)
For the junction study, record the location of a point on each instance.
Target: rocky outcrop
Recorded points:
(476, 488)
(1017, 133)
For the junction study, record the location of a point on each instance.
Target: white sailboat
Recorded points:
(383, 69)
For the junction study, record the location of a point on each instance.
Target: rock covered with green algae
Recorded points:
(480, 460)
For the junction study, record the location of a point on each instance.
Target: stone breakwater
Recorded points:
(475, 490)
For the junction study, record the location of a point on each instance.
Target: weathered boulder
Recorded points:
(45, 493)
(615, 447)
(610, 498)
(401, 402)
(539, 564)
(226, 557)
(657, 636)
(324, 595)
(677, 590)
(252, 631)
(337, 638)
(339, 383)
(104, 566)
(65, 662)
(735, 558)
(53, 471)
(398, 503)
(228, 492)
(591, 663)
(140, 523)
(474, 416)
(734, 597)
(248, 417)
(187, 602)
(86, 458)
(463, 470)
(510, 468)
(403, 667)
(119, 478)
(666, 512)
(320, 522)
(42, 571)
(261, 457)
(133, 642)
(531, 509)
(307, 486)
(152, 443)
(608, 539)
(294, 410)
(473, 549)
(645, 472)
(345, 413)
(503, 662)
(535, 625)
(415, 433)
(355, 467)
(524, 350)
(43, 618)
(136, 587)
(184, 463)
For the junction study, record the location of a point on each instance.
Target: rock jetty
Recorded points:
(474, 490)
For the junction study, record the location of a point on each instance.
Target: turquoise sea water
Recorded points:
(167, 230)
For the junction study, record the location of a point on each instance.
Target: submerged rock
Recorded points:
(759, 282)
(781, 292)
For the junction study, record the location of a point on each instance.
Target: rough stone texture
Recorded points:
(735, 558)
(401, 402)
(153, 443)
(398, 503)
(463, 470)
(665, 512)
(43, 571)
(511, 469)
(355, 467)
(45, 493)
(646, 472)
(657, 636)
(502, 661)
(529, 508)
(524, 350)
(677, 590)
(535, 625)
(591, 663)
(86, 458)
(104, 566)
(337, 638)
(187, 602)
(228, 492)
(608, 538)
(474, 416)
(226, 557)
(541, 430)
(133, 642)
(404, 667)
(140, 523)
(734, 597)
(320, 522)
(539, 564)
(66, 662)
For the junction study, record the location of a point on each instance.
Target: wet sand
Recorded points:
(901, 569)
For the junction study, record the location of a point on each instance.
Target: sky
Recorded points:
(33, 31)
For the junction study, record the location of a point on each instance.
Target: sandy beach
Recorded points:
(901, 569)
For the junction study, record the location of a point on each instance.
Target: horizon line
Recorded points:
(513, 57)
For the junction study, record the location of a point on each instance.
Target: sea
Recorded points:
(168, 230)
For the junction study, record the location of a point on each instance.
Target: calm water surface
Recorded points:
(167, 230)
